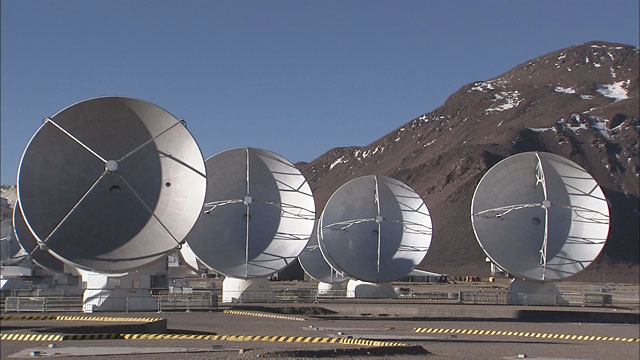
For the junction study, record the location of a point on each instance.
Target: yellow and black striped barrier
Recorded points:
(525, 334)
(31, 337)
(79, 318)
(263, 338)
(28, 317)
(267, 315)
(92, 337)
(58, 337)
(260, 338)
(107, 319)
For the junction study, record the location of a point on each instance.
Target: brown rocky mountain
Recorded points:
(580, 102)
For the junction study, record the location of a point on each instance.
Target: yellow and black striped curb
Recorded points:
(79, 318)
(28, 317)
(261, 338)
(108, 318)
(525, 334)
(259, 314)
(31, 337)
(57, 337)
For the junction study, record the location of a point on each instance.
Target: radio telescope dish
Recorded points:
(540, 216)
(258, 214)
(30, 245)
(315, 265)
(375, 229)
(111, 184)
(188, 257)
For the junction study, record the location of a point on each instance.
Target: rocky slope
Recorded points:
(9, 192)
(580, 102)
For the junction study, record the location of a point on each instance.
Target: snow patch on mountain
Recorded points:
(485, 86)
(615, 91)
(337, 161)
(539, 130)
(584, 121)
(507, 99)
(563, 90)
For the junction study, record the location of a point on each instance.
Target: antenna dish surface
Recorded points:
(315, 265)
(258, 214)
(111, 184)
(540, 216)
(29, 244)
(375, 229)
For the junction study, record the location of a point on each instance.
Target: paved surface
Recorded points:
(70, 351)
(449, 345)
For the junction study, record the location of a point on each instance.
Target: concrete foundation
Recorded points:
(246, 290)
(331, 289)
(527, 292)
(362, 289)
(120, 292)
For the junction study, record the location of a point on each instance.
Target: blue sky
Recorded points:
(294, 77)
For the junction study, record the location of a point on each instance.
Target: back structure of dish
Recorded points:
(375, 229)
(540, 216)
(258, 214)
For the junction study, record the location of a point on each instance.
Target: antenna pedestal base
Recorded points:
(236, 290)
(117, 300)
(330, 289)
(529, 292)
(120, 292)
(362, 289)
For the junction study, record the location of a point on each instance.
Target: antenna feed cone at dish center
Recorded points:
(378, 219)
(247, 200)
(546, 204)
(111, 166)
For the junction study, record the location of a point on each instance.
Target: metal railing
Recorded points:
(159, 303)
(473, 297)
(193, 300)
(459, 297)
(42, 304)
(563, 299)
(32, 292)
(208, 300)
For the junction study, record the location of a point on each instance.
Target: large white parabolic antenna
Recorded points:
(375, 229)
(258, 214)
(111, 184)
(540, 216)
(29, 244)
(315, 265)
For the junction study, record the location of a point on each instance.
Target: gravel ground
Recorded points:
(443, 346)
